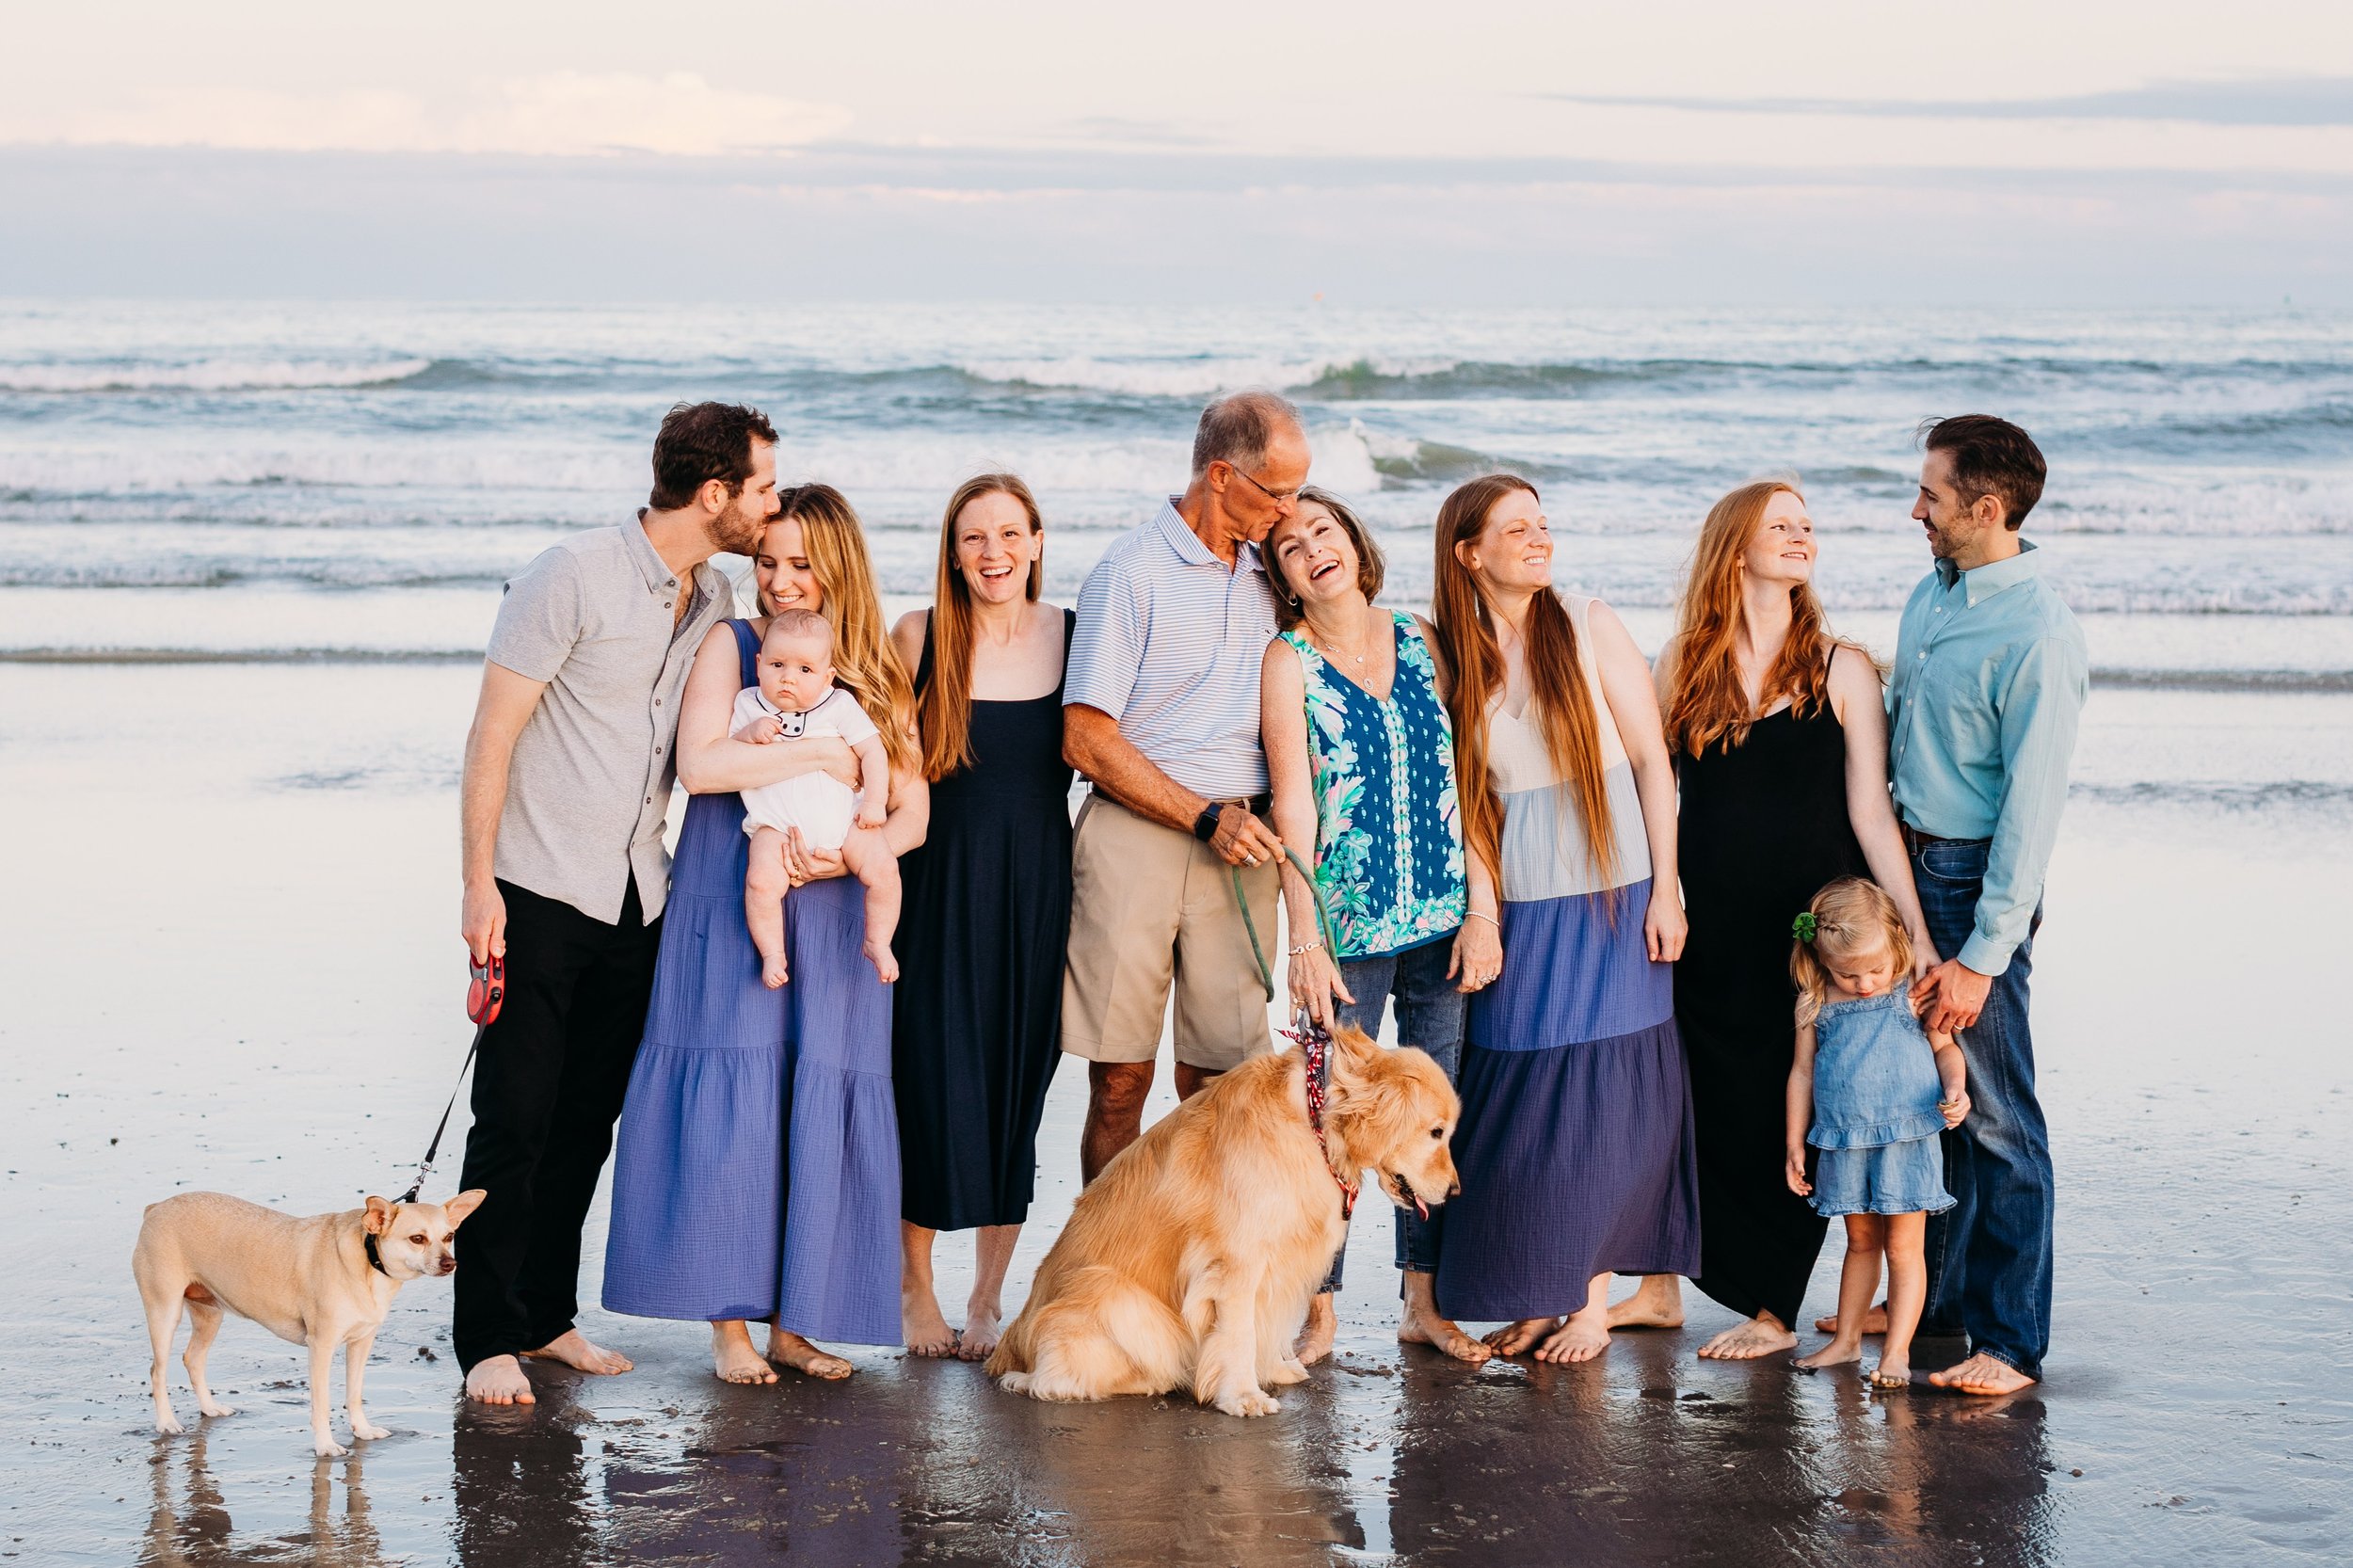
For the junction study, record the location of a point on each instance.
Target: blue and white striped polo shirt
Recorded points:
(1170, 643)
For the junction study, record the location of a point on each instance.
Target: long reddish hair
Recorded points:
(944, 707)
(1558, 694)
(1707, 701)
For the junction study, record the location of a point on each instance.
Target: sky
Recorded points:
(2058, 151)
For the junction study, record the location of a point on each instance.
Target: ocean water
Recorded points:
(267, 481)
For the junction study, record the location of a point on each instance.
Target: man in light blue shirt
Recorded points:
(1990, 678)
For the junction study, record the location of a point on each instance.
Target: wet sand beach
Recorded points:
(230, 963)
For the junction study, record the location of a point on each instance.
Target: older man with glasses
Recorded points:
(1160, 713)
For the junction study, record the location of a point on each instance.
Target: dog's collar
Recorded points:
(375, 1260)
(1315, 1045)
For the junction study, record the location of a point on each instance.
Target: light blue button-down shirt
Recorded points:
(1990, 673)
(1170, 643)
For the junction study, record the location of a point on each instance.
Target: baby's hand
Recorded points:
(1795, 1171)
(1954, 1108)
(761, 730)
(872, 816)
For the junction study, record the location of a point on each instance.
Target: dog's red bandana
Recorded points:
(1316, 1044)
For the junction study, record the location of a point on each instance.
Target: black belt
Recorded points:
(1258, 806)
(1913, 837)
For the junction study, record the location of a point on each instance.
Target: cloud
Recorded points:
(562, 113)
(2293, 101)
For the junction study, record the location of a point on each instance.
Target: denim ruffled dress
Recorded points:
(1877, 1130)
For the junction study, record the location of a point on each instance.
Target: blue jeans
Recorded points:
(1990, 1255)
(1430, 1017)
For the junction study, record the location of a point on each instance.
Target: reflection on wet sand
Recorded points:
(522, 1488)
(1632, 1460)
(189, 1523)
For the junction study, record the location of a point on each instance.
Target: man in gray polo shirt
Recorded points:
(566, 786)
(1160, 713)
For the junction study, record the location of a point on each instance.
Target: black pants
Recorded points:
(547, 1089)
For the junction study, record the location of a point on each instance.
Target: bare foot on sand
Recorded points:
(926, 1330)
(1982, 1374)
(787, 1349)
(499, 1380)
(732, 1356)
(1837, 1354)
(885, 962)
(1658, 1304)
(573, 1350)
(1513, 1339)
(1891, 1373)
(772, 973)
(1760, 1336)
(1425, 1327)
(1874, 1322)
(1581, 1337)
(1322, 1328)
(977, 1340)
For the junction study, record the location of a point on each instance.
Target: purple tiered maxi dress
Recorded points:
(757, 1165)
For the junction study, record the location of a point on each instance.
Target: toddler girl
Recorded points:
(1878, 1092)
(796, 698)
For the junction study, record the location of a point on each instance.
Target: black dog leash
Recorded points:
(484, 993)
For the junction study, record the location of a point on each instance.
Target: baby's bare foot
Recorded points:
(1837, 1354)
(772, 972)
(885, 963)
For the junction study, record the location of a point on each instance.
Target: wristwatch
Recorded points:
(1205, 825)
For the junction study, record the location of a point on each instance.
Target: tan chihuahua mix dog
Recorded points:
(321, 1281)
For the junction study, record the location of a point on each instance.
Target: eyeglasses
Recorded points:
(1279, 497)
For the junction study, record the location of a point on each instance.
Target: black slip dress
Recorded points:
(976, 1021)
(1763, 826)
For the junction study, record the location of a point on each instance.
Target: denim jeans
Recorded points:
(1428, 1015)
(1990, 1255)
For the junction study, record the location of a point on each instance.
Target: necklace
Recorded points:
(1328, 650)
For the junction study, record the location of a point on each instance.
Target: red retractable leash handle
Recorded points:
(486, 992)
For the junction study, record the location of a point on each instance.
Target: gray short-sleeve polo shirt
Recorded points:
(588, 791)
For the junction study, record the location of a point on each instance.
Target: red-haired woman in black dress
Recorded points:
(1779, 741)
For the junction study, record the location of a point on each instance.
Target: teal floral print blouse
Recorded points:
(1389, 833)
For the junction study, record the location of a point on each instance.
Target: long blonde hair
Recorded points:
(945, 704)
(1707, 701)
(1851, 918)
(864, 663)
(1562, 702)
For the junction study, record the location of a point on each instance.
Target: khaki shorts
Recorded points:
(1151, 907)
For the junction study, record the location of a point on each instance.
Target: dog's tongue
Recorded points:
(1421, 1209)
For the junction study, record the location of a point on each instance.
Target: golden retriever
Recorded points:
(1192, 1260)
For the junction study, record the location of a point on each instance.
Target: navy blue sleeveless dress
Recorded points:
(981, 939)
(756, 1172)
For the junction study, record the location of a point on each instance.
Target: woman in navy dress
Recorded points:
(978, 1027)
(757, 1172)
(1575, 1145)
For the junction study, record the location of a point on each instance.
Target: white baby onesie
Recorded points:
(820, 805)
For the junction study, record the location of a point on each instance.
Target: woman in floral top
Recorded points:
(1360, 753)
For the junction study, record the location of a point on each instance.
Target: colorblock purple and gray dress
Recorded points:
(1575, 1146)
(756, 1173)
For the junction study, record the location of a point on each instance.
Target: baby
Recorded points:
(796, 698)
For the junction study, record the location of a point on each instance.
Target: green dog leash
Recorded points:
(1323, 920)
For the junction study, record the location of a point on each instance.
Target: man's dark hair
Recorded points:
(1236, 429)
(1991, 457)
(702, 441)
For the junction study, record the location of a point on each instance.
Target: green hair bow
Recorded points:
(1803, 927)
